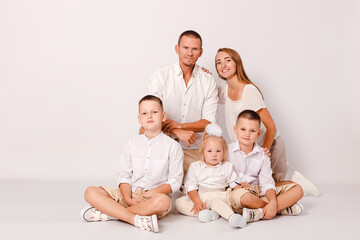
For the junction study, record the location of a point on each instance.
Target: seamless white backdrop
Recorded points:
(72, 72)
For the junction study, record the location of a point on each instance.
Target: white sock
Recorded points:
(136, 218)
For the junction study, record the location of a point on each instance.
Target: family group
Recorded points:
(180, 147)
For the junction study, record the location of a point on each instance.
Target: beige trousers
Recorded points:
(217, 201)
(115, 193)
(235, 196)
(190, 156)
(279, 163)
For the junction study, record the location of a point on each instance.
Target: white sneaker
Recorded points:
(207, 215)
(307, 186)
(236, 220)
(91, 214)
(293, 210)
(251, 215)
(148, 223)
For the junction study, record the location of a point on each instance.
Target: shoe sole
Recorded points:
(86, 209)
(301, 209)
(236, 220)
(155, 223)
(312, 189)
(206, 216)
(244, 218)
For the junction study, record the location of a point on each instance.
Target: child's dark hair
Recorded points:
(152, 98)
(249, 114)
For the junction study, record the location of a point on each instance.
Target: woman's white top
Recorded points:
(251, 100)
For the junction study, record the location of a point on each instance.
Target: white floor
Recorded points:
(51, 210)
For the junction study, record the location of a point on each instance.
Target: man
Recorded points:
(189, 95)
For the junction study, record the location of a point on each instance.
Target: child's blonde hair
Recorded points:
(208, 136)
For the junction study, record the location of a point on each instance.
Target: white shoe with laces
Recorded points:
(148, 223)
(293, 210)
(91, 214)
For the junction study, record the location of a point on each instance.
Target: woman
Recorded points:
(239, 94)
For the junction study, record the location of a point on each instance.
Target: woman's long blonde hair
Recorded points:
(240, 71)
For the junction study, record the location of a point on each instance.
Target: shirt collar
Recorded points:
(154, 139)
(256, 148)
(203, 165)
(179, 72)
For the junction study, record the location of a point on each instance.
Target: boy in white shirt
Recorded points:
(150, 169)
(256, 195)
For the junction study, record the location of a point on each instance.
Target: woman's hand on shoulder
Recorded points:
(267, 152)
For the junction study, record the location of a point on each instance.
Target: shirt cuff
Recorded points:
(267, 187)
(175, 185)
(124, 180)
(191, 188)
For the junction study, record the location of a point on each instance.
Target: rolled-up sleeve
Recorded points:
(265, 176)
(176, 171)
(191, 182)
(126, 169)
(211, 101)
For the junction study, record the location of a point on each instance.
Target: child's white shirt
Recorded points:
(254, 168)
(148, 163)
(202, 175)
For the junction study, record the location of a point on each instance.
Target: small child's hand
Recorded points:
(198, 207)
(269, 211)
(244, 184)
(133, 201)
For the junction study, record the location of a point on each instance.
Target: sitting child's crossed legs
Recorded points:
(111, 202)
(287, 195)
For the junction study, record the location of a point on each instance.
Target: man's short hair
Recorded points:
(250, 115)
(190, 33)
(152, 98)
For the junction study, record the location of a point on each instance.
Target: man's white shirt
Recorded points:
(183, 104)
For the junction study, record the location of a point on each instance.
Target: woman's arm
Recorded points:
(270, 127)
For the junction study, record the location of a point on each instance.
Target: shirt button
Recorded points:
(145, 169)
(183, 116)
(143, 181)
(147, 157)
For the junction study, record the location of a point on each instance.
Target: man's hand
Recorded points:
(269, 211)
(187, 136)
(206, 70)
(198, 206)
(169, 125)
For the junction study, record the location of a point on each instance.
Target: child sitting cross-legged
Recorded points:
(150, 169)
(256, 196)
(206, 182)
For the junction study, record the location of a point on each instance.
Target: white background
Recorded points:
(72, 72)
